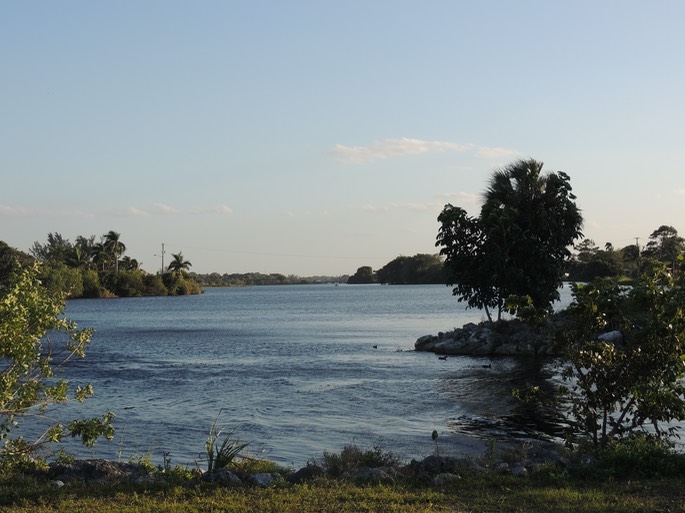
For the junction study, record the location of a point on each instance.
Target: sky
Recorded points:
(316, 137)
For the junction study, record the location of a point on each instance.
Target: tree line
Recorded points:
(93, 268)
(255, 278)
(404, 270)
(590, 261)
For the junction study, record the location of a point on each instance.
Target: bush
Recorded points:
(91, 284)
(36, 341)
(153, 285)
(351, 457)
(633, 379)
(641, 455)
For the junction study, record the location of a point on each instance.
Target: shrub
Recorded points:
(641, 455)
(36, 341)
(351, 457)
(620, 385)
(222, 452)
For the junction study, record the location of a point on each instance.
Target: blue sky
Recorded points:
(314, 137)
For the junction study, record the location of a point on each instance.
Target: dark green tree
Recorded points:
(420, 268)
(56, 249)
(99, 256)
(9, 259)
(665, 245)
(519, 244)
(363, 275)
(178, 265)
(114, 247)
(591, 262)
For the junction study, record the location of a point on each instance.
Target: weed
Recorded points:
(351, 456)
(221, 454)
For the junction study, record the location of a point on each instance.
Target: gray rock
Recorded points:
(519, 470)
(367, 475)
(613, 337)
(96, 470)
(264, 480)
(305, 474)
(445, 479)
(223, 477)
(503, 468)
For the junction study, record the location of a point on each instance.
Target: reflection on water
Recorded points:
(490, 410)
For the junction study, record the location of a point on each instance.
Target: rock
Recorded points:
(223, 477)
(445, 479)
(96, 470)
(507, 338)
(435, 465)
(305, 474)
(519, 470)
(264, 480)
(613, 337)
(57, 483)
(368, 475)
(422, 343)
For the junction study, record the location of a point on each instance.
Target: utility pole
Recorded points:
(637, 244)
(162, 255)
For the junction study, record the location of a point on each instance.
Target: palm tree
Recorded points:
(529, 219)
(178, 265)
(99, 255)
(129, 264)
(114, 247)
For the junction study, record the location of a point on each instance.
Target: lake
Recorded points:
(295, 370)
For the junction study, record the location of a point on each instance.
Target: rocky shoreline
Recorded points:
(508, 338)
(436, 470)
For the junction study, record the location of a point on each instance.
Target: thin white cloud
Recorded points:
(137, 212)
(404, 146)
(417, 207)
(161, 208)
(471, 202)
(495, 153)
(12, 211)
(219, 209)
(461, 198)
(223, 209)
(680, 192)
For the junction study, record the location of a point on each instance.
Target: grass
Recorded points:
(649, 479)
(474, 493)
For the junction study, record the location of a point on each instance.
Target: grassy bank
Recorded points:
(492, 493)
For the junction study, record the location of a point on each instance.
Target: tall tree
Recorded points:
(665, 245)
(114, 247)
(178, 264)
(57, 248)
(520, 242)
(99, 255)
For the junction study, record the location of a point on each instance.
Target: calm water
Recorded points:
(292, 368)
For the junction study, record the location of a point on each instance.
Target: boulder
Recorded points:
(223, 477)
(445, 479)
(369, 475)
(307, 473)
(96, 470)
(264, 480)
(508, 338)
